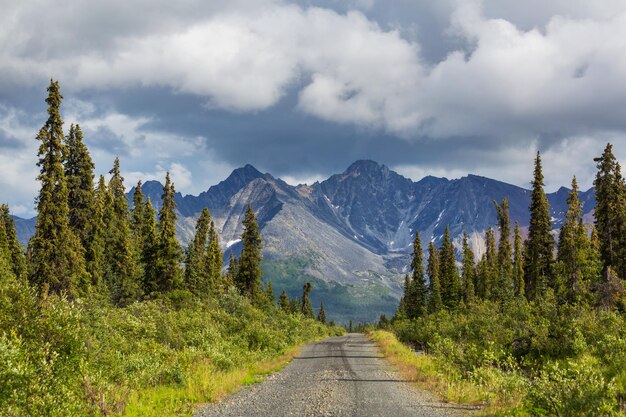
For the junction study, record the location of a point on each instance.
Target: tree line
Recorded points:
(583, 265)
(88, 242)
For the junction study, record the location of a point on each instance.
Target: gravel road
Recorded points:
(339, 376)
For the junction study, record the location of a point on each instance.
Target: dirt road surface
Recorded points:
(339, 376)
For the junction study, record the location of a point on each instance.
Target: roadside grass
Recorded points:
(204, 385)
(428, 373)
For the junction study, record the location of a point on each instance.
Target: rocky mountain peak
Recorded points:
(365, 166)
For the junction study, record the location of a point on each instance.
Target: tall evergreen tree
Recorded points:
(136, 228)
(137, 217)
(434, 300)
(448, 273)
(482, 278)
(610, 211)
(55, 257)
(5, 253)
(14, 248)
(6, 270)
(306, 308)
(149, 250)
(468, 271)
(169, 252)
(577, 263)
(196, 277)
(215, 260)
(504, 278)
(490, 271)
(416, 298)
(283, 302)
(122, 274)
(95, 250)
(321, 316)
(518, 262)
(249, 269)
(540, 243)
(81, 194)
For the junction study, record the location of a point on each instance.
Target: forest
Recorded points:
(537, 326)
(104, 313)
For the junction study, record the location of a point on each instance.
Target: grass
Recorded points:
(424, 372)
(205, 385)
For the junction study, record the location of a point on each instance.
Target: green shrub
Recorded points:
(560, 357)
(572, 388)
(62, 358)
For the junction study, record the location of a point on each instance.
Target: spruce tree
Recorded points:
(169, 252)
(503, 289)
(95, 251)
(468, 271)
(283, 302)
(196, 277)
(14, 248)
(81, 194)
(306, 308)
(122, 274)
(6, 269)
(448, 273)
(518, 262)
(56, 260)
(490, 271)
(416, 302)
(249, 269)
(136, 218)
(321, 316)
(149, 250)
(5, 253)
(482, 278)
(577, 261)
(539, 246)
(610, 212)
(434, 300)
(215, 259)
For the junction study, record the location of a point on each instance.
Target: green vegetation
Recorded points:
(154, 358)
(541, 335)
(98, 318)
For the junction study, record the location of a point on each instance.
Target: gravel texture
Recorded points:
(339, 376)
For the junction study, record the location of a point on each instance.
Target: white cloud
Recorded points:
(562, 77)
(18, 170)
(302, 179)
(180, 176)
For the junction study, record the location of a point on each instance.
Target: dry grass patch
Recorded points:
(423, 372)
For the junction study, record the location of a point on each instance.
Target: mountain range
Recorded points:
(351, 234)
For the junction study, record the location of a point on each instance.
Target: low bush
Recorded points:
(527, 358)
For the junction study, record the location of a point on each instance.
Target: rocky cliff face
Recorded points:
(351, 234)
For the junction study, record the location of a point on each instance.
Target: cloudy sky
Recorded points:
(302, 89)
